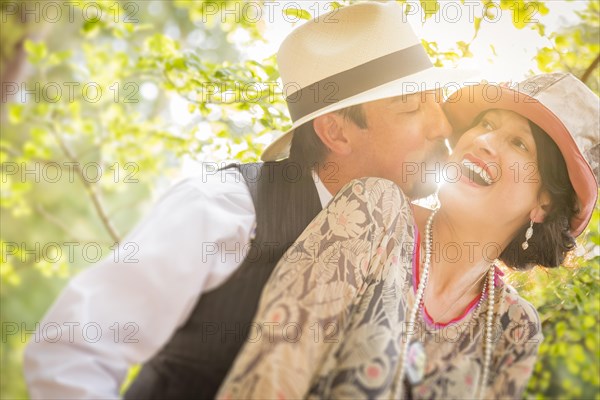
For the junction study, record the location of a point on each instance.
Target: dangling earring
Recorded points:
(528, 235)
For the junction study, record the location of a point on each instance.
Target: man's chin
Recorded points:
(420, 190)
(427, 180)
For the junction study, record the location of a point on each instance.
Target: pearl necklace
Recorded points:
(477, 281)
(488, 334)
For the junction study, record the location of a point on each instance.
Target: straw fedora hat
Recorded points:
(352, 55)
(559, 103)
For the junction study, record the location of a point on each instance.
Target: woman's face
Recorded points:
(497, 181)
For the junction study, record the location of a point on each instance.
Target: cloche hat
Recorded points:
(559, 103)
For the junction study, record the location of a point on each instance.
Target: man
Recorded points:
(363, 108)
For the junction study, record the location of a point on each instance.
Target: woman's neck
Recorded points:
(461, 254)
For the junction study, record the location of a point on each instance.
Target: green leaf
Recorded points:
(15, 113)
(464, 48)
(91, 27)
(477, 26)
(560, 40)
(36, 51)
(161, 45)
(589, 321)
(298, 13)
(541, 28)
(542, 8)
(430, 8)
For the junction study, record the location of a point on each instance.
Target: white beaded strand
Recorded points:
(487, 342)
(417, 304)
(489, 328)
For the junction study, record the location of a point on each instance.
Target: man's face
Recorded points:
(404, 140)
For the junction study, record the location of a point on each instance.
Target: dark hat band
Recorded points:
(357, 80)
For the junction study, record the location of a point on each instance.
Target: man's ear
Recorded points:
(538, 214)
(330, 129)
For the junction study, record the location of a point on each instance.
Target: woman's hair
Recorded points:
(551, 240)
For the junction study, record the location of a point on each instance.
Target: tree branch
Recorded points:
(90, 189)
(590, 69)
(16, 154)
(62, 226)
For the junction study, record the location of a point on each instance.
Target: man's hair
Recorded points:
(307, 149)
(552, 239)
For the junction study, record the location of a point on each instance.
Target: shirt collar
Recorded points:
(324, 194)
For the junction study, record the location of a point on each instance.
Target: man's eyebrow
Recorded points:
(402, 98)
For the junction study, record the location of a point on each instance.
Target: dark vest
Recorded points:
(198, 356)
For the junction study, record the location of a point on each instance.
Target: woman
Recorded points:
(363, 307)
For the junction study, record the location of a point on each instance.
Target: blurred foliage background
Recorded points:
(105, 105)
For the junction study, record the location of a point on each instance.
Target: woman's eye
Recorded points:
(519, 143)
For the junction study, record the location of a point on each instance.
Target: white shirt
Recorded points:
(124, 309)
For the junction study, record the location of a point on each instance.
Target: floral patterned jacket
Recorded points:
(332, 318)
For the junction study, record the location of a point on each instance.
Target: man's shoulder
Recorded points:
(208, 189)
(213, 181)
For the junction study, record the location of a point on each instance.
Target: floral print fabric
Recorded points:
(332, 318)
